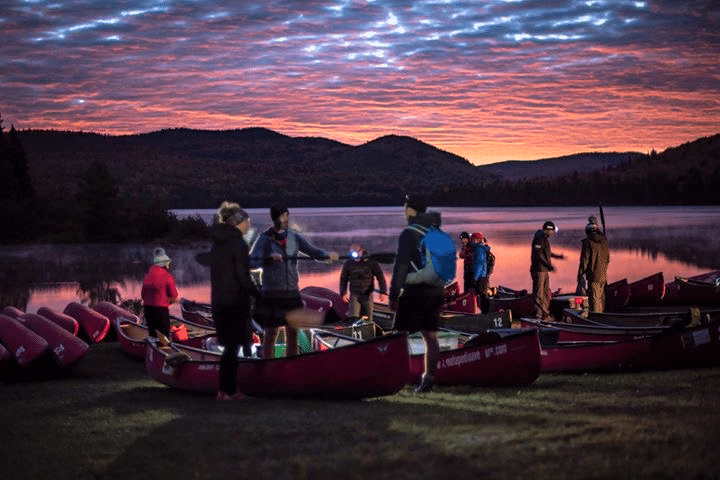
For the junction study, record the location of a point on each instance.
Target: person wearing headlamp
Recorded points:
(359, 273)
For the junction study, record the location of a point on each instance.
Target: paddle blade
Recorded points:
(304, 318)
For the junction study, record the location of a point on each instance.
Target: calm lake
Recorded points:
(679, 241)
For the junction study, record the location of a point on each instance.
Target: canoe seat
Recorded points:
(134, 331)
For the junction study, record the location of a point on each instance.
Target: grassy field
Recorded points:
(108, 420)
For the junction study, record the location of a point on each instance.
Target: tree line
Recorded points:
(97, 212)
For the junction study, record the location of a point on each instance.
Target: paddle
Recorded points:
(203, 258)
(602, 218)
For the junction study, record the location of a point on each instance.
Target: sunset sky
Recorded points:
(487, 80)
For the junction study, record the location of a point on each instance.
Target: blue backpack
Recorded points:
(438, 255)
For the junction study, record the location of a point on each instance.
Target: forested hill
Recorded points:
(186, 168)
(193, 168)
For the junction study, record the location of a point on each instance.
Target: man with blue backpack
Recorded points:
(424, 264)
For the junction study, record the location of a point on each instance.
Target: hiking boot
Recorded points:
(426, 383)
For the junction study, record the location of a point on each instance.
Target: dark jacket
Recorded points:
(541, 254)
(594, 258)
(360, 275)
(230, 281)
(409, 251)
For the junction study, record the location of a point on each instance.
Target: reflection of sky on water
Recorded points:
(680, 241)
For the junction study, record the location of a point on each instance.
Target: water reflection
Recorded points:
(675, 240)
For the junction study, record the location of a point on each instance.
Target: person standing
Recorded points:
(466, 254)
(231, 289)
(276, 251)
(594, 260)
(481, 278)
(158, 292)
(417, 305)
(360, 273)
(540, 268)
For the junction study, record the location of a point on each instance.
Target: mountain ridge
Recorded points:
(189, 168)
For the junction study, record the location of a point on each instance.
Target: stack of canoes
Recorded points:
(630, 341)
(654, 291)
(38, 345)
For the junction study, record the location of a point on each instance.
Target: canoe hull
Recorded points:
(648, 291)
(25, 345)
(699, 290)
(617, 294)
(497, 361)
(366, 369)
(596, 356)
(65, 348)
(94, 326)
(60, 319)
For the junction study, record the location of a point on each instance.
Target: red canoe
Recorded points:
(697, 346)
(647, 291)
(12, 312)
(501, 358)
(338, 304)
(370, 368)
(617, 294)
(519, 302)
(95, 326)
(701, 289)
(596, 355)
(661, 316)
(25, 345)
(462, 302)
(376, 367)
(196, 312)
(552, 332)
(60, 319)
(132, 336)
(452, 290)
(112, 312)
(65, 348)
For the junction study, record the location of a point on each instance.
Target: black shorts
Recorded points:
(157, 319)
(232, 324)
(270, 310)
(419, 308)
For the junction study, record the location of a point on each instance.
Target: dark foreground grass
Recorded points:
(108, 420)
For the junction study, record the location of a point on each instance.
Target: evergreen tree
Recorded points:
(19, 164)
(17, 200)
(97, 204)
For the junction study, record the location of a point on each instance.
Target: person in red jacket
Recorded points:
(158, 293)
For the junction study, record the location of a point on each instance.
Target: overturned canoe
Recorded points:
(61, 319)
(94, 325)
(701, 289)
(617, 294)
(65, 348)
(647, 291)
(25, 345)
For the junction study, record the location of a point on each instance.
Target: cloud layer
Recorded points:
(487, 80)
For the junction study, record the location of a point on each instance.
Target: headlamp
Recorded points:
(354, 254)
